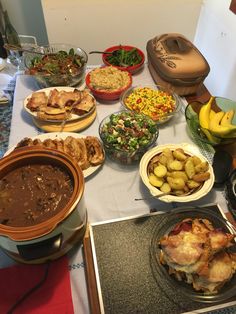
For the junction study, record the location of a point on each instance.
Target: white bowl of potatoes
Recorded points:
(176, 173)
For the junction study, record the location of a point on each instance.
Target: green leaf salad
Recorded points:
(59, 68)
(58, 63)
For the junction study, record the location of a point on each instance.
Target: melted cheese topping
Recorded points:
(220, 268)
(184, 248)
(220, 240)
(198, 256)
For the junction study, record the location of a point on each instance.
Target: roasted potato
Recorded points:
(176, 183)
(179, 192)
(179, 154)
(168, 153)
(160, 171)
(202, 167)
(192, 184)
(155, 181)
(165, 188)
(196, 160)
(201, 177)
(176, 172)
(189, 168)
(175, 165)
(163, 159)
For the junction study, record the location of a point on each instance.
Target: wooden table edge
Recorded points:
(90, 275)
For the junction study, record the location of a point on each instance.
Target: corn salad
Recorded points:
(154, 103)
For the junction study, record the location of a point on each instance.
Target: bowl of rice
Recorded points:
(108, 82)
(153, 101)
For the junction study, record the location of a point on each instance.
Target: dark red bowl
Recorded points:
(106, 95)
(132, 69)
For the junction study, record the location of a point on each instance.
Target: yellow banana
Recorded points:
(212, 139)
(227, 118)
(216, 125)
(204, 114)
(212, 114)
(217, 129)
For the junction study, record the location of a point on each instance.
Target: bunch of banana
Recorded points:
(216, 125)
(206, 114)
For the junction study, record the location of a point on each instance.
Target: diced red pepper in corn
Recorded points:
(152, 102)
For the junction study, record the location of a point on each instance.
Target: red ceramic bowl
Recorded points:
(105, 94)
(132, 69)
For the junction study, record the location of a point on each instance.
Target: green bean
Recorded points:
(123, 57)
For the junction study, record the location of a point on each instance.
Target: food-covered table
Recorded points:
(111, 190)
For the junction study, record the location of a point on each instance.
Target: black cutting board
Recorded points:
(125, 279)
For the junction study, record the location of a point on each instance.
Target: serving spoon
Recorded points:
(163, 194)
(105, 52)
(153, 196)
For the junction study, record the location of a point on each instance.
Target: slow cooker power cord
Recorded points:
(31, 290)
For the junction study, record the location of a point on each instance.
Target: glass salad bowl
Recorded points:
(56, 65)
(127, 135)
(152, 100)
(205, 135)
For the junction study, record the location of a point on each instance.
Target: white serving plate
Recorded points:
(61, 135)
(59, 88)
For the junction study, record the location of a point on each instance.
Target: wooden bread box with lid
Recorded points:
(176, 64)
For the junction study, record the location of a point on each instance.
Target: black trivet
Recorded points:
(125, 279)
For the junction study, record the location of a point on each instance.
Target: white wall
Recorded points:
(27, 18)
(216, 38)
(96, 25)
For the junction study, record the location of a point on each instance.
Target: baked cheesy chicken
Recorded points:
(60, 105)
(195, 252)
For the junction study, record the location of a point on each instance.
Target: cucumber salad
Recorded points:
(128, 131)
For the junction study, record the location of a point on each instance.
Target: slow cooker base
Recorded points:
(76, 238)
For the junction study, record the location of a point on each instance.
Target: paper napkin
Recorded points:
(53, 296)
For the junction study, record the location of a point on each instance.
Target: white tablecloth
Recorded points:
(110, 192)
